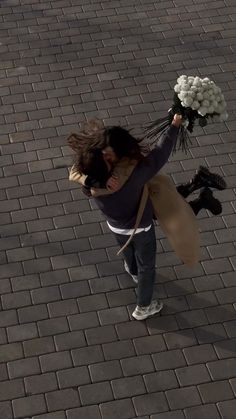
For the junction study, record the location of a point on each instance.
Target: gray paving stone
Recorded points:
(26, 282)
(62, 399)
(183, 397)
(106, 284)
(227, 408)
(150, 403)
(70, 340)
(83, 321)
(38, 346)
(142, 364)
(6, 410)
(210, 334)
(99, 335)
(88, 412)
(180, 340)
(73, 377)
(131, 330)
(113, 315)
(95, 393)
(177, 414)
(55, 361)
(160, 381)
(214, 392)
(128, 387)
(149, 344)
(23, 367)
(62, 308)
(56, 415)
(83, 273)
(191, 319)
(118, 350)
(88, 355)
(192, 375)
(223, 369)
(34, 384)
(53, 326)
(45, 295)
(161, 324)
(92, 302)
(31, 405)
(105, 371)
(15, 300)
(208, 411)
(34, 313)
(54, 277)
(169, 360)
(22, 332)
(117, 408)
(10, 352)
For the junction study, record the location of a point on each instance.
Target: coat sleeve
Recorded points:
(76, 176)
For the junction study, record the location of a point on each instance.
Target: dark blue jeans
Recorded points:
(140, 257)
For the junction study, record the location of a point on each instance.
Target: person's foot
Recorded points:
(134, 277)
(210, 202)
(205, 178)
(142, 313)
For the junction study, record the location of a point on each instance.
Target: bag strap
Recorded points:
(141, 208)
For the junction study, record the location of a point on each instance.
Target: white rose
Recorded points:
(199, 96)
(188, 101)
(181, 78)
(224, 116)
(202, 111)
(197, 83)
(182, 95)
(186, 87)
(195, 105)
(214, 103)
(210, 109)
(206, 103)
(177, 88)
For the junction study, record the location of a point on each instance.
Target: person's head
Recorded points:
(120, 143)
(90, 162)
(95, 143)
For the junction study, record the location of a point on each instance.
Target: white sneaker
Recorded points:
(134, 277)
(141, 313)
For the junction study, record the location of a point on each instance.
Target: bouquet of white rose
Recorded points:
(195, 99)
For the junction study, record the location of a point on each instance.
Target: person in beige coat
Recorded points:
(175, 216)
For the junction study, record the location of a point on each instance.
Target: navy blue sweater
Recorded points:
(120, 208)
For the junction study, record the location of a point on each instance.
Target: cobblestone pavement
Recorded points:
(69, 349)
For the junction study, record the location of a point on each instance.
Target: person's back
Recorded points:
(120, 208)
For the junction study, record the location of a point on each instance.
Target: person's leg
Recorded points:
(145, 253)
(128, 253)
(203, 178)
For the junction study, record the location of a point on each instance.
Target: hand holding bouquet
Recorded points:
(195, 99)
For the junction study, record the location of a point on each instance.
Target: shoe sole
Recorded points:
(147, 316)
(216, 180)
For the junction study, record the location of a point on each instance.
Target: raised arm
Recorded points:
(158, 157)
